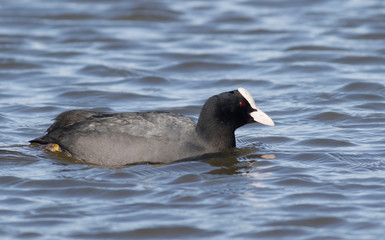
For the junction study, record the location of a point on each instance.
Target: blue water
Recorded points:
(316, 67)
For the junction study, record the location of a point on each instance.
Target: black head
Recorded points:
(234, 109)
(222, 114)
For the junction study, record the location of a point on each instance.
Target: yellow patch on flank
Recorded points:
(52, 147)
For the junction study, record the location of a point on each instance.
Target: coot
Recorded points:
(116, 139)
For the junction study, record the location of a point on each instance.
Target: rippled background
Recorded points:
(316, 67)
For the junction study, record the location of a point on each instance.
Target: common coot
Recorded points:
(117, 139)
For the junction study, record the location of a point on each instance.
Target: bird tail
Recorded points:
(41, 140)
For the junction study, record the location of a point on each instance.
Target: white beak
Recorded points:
(257, 115)
(261, 117)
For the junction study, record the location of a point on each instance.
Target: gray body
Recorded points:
(126, 138)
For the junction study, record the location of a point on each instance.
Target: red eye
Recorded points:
(242, 103)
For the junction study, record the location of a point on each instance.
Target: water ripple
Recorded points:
(363, 87)
(104, 71)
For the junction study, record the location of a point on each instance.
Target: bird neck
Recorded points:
(214, 131)
(218, 138)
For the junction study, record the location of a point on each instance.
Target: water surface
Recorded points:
(316, 67)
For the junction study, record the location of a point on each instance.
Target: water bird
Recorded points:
(118, 139)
